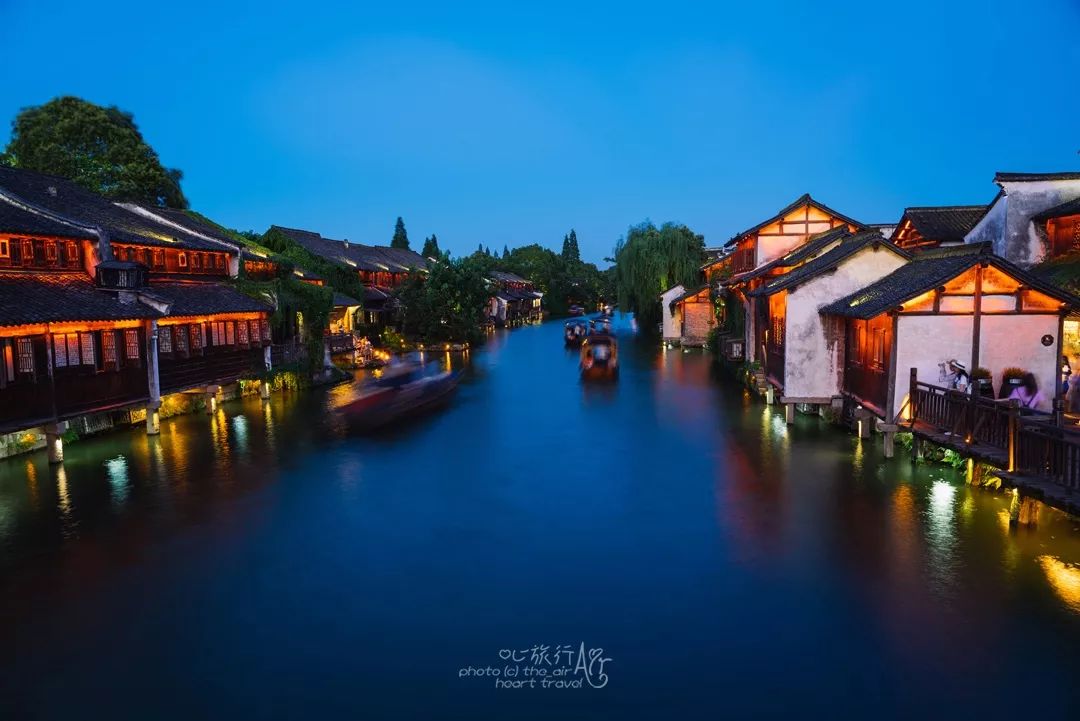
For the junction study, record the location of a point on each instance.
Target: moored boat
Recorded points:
(576, 310)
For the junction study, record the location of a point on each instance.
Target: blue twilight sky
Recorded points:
(509, 123)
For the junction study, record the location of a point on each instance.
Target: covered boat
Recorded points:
(600, 357)
(575, 332)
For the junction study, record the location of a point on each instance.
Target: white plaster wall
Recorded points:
(1008, 224)
(671, 325)
(1015, 340)
(812, 363)
(924, 341)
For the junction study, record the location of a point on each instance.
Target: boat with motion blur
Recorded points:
(600, 357)
(575, 331)
(400, 391)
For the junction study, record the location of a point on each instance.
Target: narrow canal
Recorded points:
(262, 563)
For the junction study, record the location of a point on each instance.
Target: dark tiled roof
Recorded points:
(190, 223)
(944, 224)
(801, 200)
(930, 270)
(814, 245)
(365, 257)
(203, 298)
(21, 220)
(688, 294)
(77, 204)
(828, 261)
(374, 293)
(504, 277)
(1027, 177)
(1059, 211)
(54, 297)
(342, 300)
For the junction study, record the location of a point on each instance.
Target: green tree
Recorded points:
(506, 252)
(449, 304)
(649, 261)
(570, 251)
(431, 247)
(99, 148)
(401, 238)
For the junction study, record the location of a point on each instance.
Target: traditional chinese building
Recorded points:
(922, 228)
(963, 303)
(514, 299)
(1015, 222)
(803, 354)
(381, 269)
(106, 307)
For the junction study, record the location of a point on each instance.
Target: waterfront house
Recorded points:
(381, 269)
(514, 299)
(1015, 222)
(803, 354)
(670, 319)
(693, 315)
(793, 235)
(106, 307)
(960, 302)
(926, 227)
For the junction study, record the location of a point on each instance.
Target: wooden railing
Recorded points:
(1048, 451)
(340, 342)
(1034, 443)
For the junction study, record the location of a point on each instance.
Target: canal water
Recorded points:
(666, 538)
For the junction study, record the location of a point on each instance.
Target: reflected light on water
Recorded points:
(1064, 579)
(68, 525)
(117, 470)
(240, 432)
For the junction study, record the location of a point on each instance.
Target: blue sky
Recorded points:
(509, 123)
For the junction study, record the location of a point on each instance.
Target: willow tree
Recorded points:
(649, 261)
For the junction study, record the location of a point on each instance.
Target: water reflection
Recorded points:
(758, 556)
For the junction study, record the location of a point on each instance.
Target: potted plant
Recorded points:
(983, 381)
(1011, 379)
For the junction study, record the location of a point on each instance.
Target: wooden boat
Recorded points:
(600, 357)
(399, 394)
(576, 310)
(575, 332)
(600, 325)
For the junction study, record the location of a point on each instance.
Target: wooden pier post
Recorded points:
(789, 413)
(1014, 434)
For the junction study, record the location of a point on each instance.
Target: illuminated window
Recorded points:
(242, 332)
(9, 361)
(25, 351)
(181, 339)
(254, 325)
(59, 351)
(264, 325)
(159, 258)
(108, 347)
(73, 349)
(5, 248)
(196, 261)
(181, 260)
(71, 250)
(50, 251)
(230, 333)
(86, 341)
(196, 336)
(131, 344)
(221, 262)
(165, 339)
(27, 252)
(215, 333)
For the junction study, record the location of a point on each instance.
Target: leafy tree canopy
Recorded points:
(97, 147)
(649, 261)
(401, 238)
(449, 303)
(431, 247)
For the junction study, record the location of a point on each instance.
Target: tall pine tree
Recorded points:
(431, 247)
(401, 238)
(570, 248)
(506, 252)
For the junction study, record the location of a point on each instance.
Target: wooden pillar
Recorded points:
(913, 386)
(153, 379)
(211, 399)
(1014, 434)
(890, 443)
(916, 447)
(976, 333)
(770, 395)
(789, 413)
(1024, 510)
